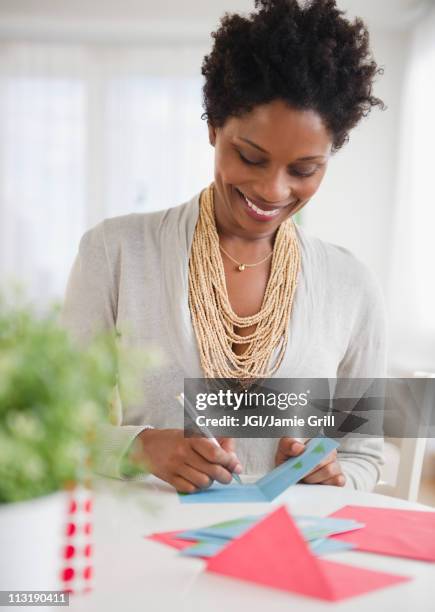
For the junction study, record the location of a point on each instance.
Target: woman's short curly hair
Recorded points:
(308, 55)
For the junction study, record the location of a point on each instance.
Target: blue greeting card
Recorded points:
(269, 486)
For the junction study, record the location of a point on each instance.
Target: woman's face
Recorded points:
(268, 164)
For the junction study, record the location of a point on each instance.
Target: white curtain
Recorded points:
(88, 132)
(412, 287)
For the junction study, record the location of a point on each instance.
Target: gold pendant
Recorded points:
(241, 267)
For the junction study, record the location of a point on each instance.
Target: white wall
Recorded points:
(355, 203)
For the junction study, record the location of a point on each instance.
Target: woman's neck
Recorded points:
(239, 243)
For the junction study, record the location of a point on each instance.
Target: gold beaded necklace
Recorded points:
(212, 316)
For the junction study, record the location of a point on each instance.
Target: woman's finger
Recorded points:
(325, 473)
(331, 458)
(182, 485)
(215, 454)
(194, 476)
(290, 447)
(335, 481)
(211, 470)
(228, 444)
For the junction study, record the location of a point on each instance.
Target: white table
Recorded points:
(136, 574)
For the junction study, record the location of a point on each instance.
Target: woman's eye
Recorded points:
(249, 161)
(304, 174)
(299, 173)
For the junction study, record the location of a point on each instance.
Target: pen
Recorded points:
(184, 402)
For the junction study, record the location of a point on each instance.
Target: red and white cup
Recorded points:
(77, 570)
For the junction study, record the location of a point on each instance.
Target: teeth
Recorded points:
(259, 211)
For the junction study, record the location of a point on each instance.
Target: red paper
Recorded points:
(399, 533)
(274, 554)
(167, 537)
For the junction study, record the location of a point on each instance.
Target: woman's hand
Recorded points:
(328, 472)
(188, 464)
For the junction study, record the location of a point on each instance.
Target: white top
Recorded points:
(132, 272)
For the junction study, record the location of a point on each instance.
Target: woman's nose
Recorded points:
(275, 189)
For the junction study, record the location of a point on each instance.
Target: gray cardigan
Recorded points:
(131, 273)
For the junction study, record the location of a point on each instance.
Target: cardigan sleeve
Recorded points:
(90, 307)
(365, 357)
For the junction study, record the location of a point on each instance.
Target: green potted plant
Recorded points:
(53, 398)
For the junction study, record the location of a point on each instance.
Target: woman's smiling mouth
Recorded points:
(257, 213)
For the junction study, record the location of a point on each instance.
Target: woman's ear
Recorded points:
(211, 134)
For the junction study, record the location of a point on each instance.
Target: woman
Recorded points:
(226, 285)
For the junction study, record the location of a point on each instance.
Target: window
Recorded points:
(84, 139)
